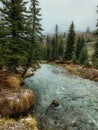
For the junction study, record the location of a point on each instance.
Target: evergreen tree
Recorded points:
(79, 46)
(95, 56)
(13, 21)
(56, 39)
(64, 35)
(49, 52)
(83, 58)
(70, 43)
(34, 34)
(88, 30)
(45, 53)
(48, 39)
(53, 44)
(61, 48)
(35, 29)
(2, 47)
(42, 49)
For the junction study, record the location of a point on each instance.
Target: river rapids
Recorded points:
(77, 97)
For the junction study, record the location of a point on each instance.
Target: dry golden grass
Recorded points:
(13, 100)
(26, 123)
(9, 81)
(16, 103)
(13, 82)
(85, 72)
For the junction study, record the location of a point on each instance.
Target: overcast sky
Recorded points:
(63, 12)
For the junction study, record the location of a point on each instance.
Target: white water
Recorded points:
(78, 99)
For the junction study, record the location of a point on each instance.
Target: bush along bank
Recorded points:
(13, 99)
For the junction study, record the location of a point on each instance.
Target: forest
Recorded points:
(22, 42)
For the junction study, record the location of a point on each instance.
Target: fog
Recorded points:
(63, 12)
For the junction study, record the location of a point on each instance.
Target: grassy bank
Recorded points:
(85, 72)
(79, 70)
(26, 123)
(13, 101)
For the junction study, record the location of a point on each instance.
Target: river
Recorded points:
(77, 97)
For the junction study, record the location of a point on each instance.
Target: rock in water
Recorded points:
(54, 103)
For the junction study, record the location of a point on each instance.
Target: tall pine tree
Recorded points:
(34, 34)
(35, 29)
(95, 56)
(56, 39)
(79, 46)
(13, 21)
(83, 58)
(60, 47)
(70, 43)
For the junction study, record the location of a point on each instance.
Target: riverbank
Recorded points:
(14, 101)
(24, 123)
(84, 72)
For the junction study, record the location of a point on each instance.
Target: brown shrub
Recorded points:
(13, 82)
(16, 103)
(7, 107)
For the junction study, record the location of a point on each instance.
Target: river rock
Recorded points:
(54, 103)
(15, 103)
(30, 72)
(20, 70)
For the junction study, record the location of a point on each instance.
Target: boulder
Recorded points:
(30, 72)
(54, 103)
(20, 70)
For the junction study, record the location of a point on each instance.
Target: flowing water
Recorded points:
(78, 99)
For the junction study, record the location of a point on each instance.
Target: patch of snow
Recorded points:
(26, 92)
(10, 98)
(17, 100)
